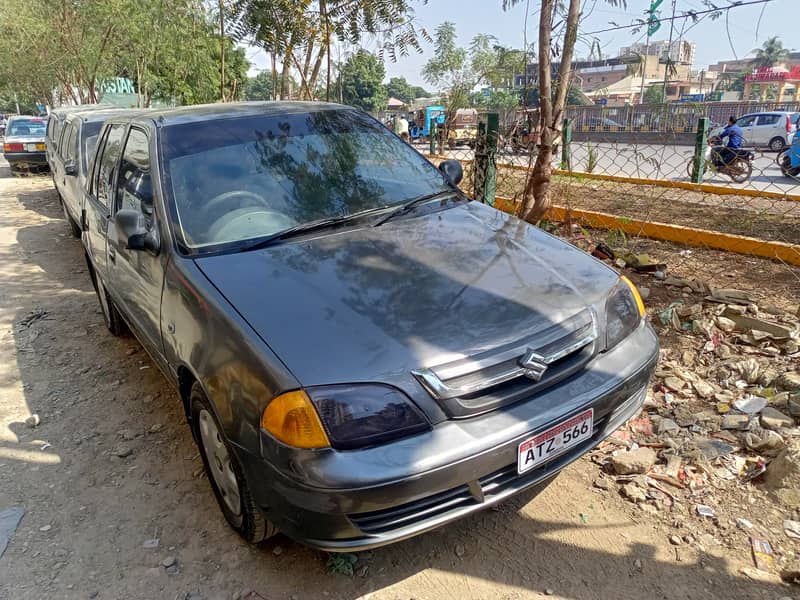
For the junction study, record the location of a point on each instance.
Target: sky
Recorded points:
(485, 16)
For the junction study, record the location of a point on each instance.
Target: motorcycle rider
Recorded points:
(734, 134)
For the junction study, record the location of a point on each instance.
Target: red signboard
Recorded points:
(771, 74)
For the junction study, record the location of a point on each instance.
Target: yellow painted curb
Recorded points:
(671, 233)
(684, 185)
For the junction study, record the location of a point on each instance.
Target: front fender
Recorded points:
(204, 334)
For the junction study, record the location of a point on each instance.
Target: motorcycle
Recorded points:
(789, 160)
(739, 168)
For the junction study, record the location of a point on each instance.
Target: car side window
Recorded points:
(69, 144)
(134, 188)
(104, 187)
(747, 121)
(768, 119)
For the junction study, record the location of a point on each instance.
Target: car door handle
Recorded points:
(112, 255)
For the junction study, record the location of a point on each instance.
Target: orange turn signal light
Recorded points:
(639, 301)
(292, 419)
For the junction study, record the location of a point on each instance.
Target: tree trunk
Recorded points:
(274, 76)
(536, 198)
(222, 50)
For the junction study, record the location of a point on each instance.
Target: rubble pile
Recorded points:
(716, 449)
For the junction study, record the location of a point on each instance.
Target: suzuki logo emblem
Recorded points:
(533, 364)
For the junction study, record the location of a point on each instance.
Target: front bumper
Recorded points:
(357, 500)
(33, 159)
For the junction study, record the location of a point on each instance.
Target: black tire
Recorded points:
(777, 144)
(740, 170)
(249, 523)
(111, 315)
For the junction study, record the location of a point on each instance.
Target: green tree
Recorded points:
(654, 95)
(297, 34)
(771, 53)
(450, 70)
(399, 88)
(420, 92)
(361, 82)
(260, 87)
(554, 17)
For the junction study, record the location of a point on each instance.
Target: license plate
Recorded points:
(31, 147)
(548, 444)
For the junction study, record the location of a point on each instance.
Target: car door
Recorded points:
(136, 276)
(67, 156)
(765, 129)
(99, 198)
(747, 124)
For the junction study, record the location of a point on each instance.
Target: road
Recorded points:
(656, 161)
(113, 487)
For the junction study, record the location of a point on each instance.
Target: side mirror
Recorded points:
(70, 168)
(452, 171)
(134, 233)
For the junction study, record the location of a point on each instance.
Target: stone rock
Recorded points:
(602, 483)
(644, 292)
(764, 440)
(277, 550)
(633, 461)
(703, 388)
(774, 419)
(150, 544)
(689, 311)
(674, 540)
(749, 369)
(667, 426)
(783, 474)
(768, 375)
(725, 324)
(794, 406)
(735, 421)
(33, 421)
(127, 434)
(633, 492)
(168, 562)
(674, 383)
(789, 381)
(122, 451)
(460, 550)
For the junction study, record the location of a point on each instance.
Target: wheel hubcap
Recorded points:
(219, 462)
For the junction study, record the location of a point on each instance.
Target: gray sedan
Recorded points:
(24, 146)
(363, 353)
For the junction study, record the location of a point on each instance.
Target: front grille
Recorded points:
(455, 499)
(494, 378)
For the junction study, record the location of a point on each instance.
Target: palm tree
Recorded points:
(771, 53)
(635, 64)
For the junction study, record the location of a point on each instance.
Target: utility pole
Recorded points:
(669, 49)
(644, 66)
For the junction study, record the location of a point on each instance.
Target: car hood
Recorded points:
(373, 303)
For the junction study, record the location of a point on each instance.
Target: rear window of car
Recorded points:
(31, 126)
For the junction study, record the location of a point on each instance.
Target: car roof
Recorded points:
(211, 112)
(103, 115)
(62, 111)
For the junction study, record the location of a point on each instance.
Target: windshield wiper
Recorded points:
(406, 207)
(307, 228)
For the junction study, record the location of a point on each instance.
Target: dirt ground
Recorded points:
(89, 512)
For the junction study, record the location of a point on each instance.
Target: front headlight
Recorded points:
(362, 415)
(624, 311)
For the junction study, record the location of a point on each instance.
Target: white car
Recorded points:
(774, 130)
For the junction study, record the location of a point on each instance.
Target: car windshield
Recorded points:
(237, 179)
(33, 127)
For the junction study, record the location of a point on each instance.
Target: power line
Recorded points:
(691, 14)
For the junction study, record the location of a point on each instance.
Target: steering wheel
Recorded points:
(217, 200)
(244, 223)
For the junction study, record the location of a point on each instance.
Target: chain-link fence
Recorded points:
(647, 184)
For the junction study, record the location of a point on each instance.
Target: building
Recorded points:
(594, 75)
(680, 51)
(746, 64)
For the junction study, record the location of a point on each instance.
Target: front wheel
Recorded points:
(226, 474)
(739, 170)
